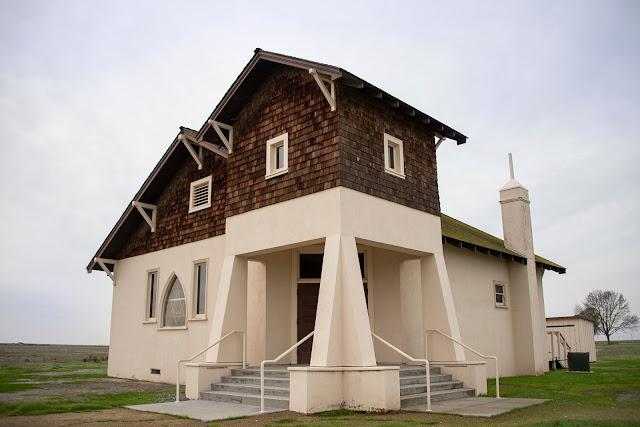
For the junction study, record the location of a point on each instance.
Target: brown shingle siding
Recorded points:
(362, 124)
(175, 225)
(287, 101)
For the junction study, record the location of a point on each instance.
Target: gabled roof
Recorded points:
(264, 62)
(462, 235)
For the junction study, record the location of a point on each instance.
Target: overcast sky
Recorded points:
(93, 92)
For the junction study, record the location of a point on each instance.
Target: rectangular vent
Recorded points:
(155, 371)
(201, 195)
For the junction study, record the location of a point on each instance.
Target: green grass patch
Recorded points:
(286, 421)
(241, 417)
(338, 413)
(90, 402)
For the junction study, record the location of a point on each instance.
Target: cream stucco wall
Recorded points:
(137, 346)
(483, 326)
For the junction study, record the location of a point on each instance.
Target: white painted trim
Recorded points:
(396, 144)
(272, 144)
(146, 318)
(321, 79)
(154, 213)
(217, 126)
(194, 284)
(103, 264)
(505, 294)
(196, 157)
(199, 183)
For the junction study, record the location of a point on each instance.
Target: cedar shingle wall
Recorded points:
(175, 225)
(289, 100)
(362, 124)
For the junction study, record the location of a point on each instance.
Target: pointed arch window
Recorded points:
(175, 307)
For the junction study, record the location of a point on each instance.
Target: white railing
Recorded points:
(565, 346)
(277, 359)
(426, 333)
(425, 361)
(244, 357)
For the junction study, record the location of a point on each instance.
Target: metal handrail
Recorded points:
(264, 362)
(244, 357)
(471, 350)
(426, 365)
(565, 346)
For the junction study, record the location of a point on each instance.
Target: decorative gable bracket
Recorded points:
(103, 264)
(441, 139)
(321, 79)
(154, 211)
(196, 157)
(217, 126)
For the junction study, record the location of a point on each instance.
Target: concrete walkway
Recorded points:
(477, 406)
(206, 410)
(203, 410)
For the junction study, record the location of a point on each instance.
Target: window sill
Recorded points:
(276, 173)
(395, 173)
(178, 328)
(149, 322)
(502, 306)
(196, 319)
(199, 208)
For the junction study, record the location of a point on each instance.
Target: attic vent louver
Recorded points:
(200, 194)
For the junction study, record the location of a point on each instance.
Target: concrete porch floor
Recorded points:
(206, 410)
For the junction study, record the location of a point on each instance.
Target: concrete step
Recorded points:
(411, 371)
(422, 388)
(251, 389)
(436, 396)
(245, 399)
(255, 372)
(268, 381)
(421, 379)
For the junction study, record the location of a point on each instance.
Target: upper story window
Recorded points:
(277, 155)
(501, 294)
(200, 197)
(175, 308)
(393, 156)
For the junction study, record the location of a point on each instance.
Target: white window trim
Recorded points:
(161, 305)
(199, 183)
(271, 145)
(396, 143)
(505, 294)
(147, 299)
(194, 281)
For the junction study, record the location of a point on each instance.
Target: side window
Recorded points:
(200, 289)
(152, 296)
(174, 307)
(200, 197)
(393, 156)
(277, 156)
(500, 290)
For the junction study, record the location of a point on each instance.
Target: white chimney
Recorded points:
(516, 216)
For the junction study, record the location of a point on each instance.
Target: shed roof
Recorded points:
(459, 234)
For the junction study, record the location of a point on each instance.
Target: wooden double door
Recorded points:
(307, 308)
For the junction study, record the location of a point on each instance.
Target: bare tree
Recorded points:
(609, 311)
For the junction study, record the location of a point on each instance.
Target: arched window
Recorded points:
(175, 308)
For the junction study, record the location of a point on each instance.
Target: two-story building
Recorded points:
(308, 202)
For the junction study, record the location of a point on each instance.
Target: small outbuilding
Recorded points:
(577, 331)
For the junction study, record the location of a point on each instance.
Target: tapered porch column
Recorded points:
(230, 312)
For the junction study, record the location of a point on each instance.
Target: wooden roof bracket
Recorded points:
(441, 139)
(217, 126)
(154, 213)
(321, 79)
(196, 157)
(103, 264)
